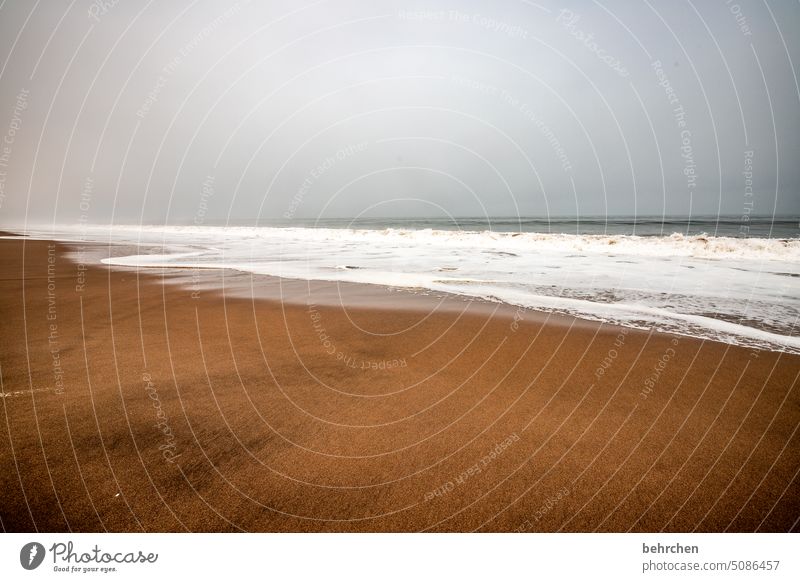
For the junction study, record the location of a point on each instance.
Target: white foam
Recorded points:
(739, 290)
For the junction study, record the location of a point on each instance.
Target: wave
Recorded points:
(675, 244)
(743, 291)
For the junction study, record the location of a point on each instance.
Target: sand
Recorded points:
(147, 401)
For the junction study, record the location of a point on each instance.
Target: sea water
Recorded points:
(707, 278)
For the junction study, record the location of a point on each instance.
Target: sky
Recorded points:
(122, 112)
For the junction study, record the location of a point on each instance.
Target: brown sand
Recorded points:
(489, 425)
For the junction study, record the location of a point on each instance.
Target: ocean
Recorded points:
(730, 226)
(707, 277)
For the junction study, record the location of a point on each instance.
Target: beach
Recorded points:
(213, 400)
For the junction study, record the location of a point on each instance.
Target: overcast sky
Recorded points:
(187, 111)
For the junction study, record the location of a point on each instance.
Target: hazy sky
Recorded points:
(192, 111)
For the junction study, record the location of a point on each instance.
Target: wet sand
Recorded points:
(140, 401)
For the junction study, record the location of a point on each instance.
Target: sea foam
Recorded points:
(743, 291)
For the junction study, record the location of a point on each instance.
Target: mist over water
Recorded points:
(260, 113)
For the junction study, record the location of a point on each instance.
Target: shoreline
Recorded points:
(760, 320)
(229, 283)
(395, 420)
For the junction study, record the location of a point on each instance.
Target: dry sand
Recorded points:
(182, 408)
